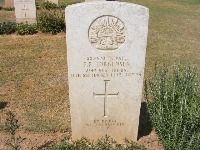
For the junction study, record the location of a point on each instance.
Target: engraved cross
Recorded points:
(105, 95)
(25, 9)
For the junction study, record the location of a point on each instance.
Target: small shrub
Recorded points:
(25, 29)
(11, 125)
(173, 100)
(9, 8)
(63, 6)
(7, 27)
(51, 21)
(48, 5)
(105, 143)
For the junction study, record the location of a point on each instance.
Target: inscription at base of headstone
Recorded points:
(106, 47)
(9, 3)
(25, 11)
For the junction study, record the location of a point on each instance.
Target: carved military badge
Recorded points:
(107, 33)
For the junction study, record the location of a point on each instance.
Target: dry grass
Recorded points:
(33, 69)
(174, 32)
(7, 16)
(33, 80)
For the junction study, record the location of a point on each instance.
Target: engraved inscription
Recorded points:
(107, 33)
(106, 67)
(25, 9)
(24, 1)
(105, 123)
(105, 95)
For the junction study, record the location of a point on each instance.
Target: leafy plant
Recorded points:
(63, 6)
(173, 100)
(24, 28)
(105, 143)
(11, 125)
(7, 27)
(48, 5)
(9, 8)
(51, 21)
(37, 5)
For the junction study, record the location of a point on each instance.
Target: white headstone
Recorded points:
(53, 1)
(9, 3)
(106, 47)
(25, 11)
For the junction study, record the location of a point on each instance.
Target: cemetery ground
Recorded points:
(33, 71)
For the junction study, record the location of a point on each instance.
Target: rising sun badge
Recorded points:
(106, 33)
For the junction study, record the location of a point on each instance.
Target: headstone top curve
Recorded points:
(105, 3)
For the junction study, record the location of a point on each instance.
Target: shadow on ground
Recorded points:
(3, 105)
(145, 126)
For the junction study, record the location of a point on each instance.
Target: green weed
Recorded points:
(11, 125)
(9, 8)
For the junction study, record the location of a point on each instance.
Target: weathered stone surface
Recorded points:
(9, 3)
(106, 47)
(25, 11)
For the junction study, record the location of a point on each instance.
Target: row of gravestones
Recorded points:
(25, 10)
(10, 3)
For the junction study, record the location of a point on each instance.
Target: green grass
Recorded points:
(192, 2)
(33, 68)
(2, 2)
